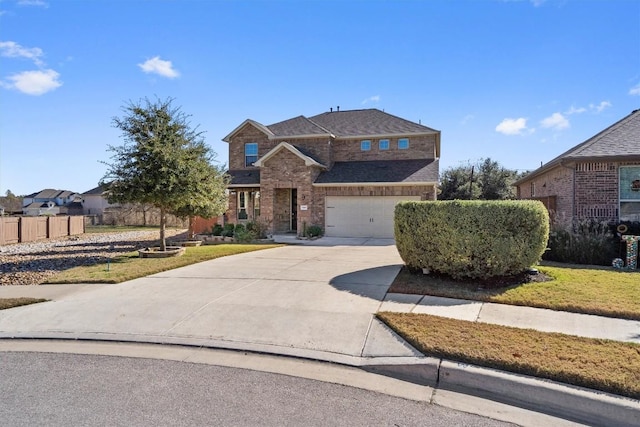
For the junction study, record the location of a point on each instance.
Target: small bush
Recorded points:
(471, 239)
(313, 231)
(228, 230)
(259, 229)
(216, 230)
(583, 242)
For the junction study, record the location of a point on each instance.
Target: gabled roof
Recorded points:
(386, 172)
(308, 160)
(619, 141)
(298, 127)
(97, 191)
(369, 122)
(340, 124)
(50, 193)
(259, 126)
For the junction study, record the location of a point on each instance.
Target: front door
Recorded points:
(294, 210)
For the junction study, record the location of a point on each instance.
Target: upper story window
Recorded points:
(250, 153)
(533, 189)
(383, 144)
(403, 143)
(365, 145)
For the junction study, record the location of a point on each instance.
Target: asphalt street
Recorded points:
(41, 389)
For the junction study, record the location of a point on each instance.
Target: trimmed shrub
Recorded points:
(313, 231)
(228, 229)
(472, 239)
(216, 230)
(583, 242)
(259, 229)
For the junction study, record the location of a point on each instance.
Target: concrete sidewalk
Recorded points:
(316, 300)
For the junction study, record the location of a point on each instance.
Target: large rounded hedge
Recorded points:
(472, 239)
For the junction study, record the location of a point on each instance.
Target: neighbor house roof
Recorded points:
(97, 191)
(381, 172)
(50, 193)
(619, 141)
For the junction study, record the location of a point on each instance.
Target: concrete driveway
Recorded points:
(314, 300)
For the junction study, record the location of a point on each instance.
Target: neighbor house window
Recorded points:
(250, 153)
(629, 193)
(365, 145)
(383, 144)
(533, 189)
(403, 143)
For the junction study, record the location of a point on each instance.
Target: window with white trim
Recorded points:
(250, 153)
(383, 144)
(629, 193)
(403, 144)
(365, 145)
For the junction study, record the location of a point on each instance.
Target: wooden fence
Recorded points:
(21, 229)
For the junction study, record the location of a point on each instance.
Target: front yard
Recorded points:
(580, 289)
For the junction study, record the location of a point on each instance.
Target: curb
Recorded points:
(572, 402)
(543, 396)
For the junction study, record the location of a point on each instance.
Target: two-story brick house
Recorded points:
(341, 170)
(598, 179)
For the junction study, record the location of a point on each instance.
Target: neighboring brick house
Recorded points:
(341, 170)
(598, 179)
(52, 202)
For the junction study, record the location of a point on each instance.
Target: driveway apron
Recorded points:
(311, 301)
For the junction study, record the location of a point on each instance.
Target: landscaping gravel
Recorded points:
(34, 262)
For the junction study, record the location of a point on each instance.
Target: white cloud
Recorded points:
(34, 82)
(555, 121)
(600, 107)
(156, 65)
(466, 119)
(375, 98)
(11, 49)
(574, 110)
(635, 90)
(39, 3)
(512, 126)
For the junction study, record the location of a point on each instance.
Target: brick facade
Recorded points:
(583, 190)
(285, 175)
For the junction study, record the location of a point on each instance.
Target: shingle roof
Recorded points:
(369, 122)
(241, 177)
(620, 140)
(99, 190)
(297, 126)
(50, 193)
(381, 171)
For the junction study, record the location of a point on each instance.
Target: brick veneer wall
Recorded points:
(556, 182)
(420, 147)
(596, 189)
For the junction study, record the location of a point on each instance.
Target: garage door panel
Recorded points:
(361, 216)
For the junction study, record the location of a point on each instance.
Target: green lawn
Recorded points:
(17, 302)
(598, 364)
(581, 289)
(130, 266)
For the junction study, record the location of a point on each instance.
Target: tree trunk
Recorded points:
(163, 221)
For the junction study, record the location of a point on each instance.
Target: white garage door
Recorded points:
(361, 216)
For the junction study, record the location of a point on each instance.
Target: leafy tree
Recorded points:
(164, 162)
(485, 180)
(10, 202)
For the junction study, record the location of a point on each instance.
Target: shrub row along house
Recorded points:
(598, 179)
(341, 170)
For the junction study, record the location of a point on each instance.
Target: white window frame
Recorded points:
(405, 142)
(251, 155)
(623, 201)
(365, 145)
(383, 144)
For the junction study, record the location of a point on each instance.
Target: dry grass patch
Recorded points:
(605, 365)
(579, 289)
(130, 266)
(17, 302)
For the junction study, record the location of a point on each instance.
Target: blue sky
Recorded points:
(517, 81)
